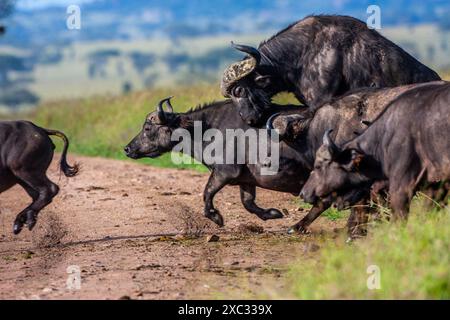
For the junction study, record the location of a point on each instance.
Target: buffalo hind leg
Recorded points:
(248, 194)
(357, 222)
(313, 214)
(42, 191)
(215, 183)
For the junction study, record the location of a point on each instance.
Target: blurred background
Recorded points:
(131, 45)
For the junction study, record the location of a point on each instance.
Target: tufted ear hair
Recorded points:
(350, 159)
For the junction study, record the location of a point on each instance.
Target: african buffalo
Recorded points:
(348, 116)
(318, 58)
(25, 154)
(155, 140)
(408, 146)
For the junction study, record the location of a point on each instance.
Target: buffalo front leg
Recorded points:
(248, 194)
(313, 214)
(42, 191)
(215, 183)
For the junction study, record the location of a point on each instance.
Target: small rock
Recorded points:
(47, 290)
(125, 298)
(285, 212)
(212, 238)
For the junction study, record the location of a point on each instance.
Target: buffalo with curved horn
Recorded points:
(317, 59)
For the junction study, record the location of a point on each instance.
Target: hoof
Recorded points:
(298, 229)
(17, 227)
(31, 221)
(272, 214)
(215, 217)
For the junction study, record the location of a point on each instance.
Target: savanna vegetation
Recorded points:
(412, 258)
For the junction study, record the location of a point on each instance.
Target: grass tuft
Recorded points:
(413, 260)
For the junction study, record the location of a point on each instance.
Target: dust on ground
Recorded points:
(138, 232)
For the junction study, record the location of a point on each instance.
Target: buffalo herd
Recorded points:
(373, 124)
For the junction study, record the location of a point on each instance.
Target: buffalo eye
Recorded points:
(238, 92)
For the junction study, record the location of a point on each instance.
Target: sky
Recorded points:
(38, 4)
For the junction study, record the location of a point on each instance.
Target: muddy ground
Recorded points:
(135, 231)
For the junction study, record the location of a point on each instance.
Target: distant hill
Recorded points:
(34, 24)
(131, 45)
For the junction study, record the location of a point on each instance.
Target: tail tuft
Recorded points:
(68, 170)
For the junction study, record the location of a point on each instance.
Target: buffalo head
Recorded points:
(291, 127)
(250, 85)
(155, 136)
(336, 173)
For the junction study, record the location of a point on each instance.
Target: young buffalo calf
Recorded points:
(26, 152)
(408, 146)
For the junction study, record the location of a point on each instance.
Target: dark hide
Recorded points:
(318, 58)
(25, 154)
(408, 145)
(154, 140)
(347, 116)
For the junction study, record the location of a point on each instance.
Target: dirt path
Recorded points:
(121, 224)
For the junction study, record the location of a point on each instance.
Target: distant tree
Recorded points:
(127, 87)
(14, 98)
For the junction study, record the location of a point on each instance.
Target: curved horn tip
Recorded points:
(269, 123)
(327, 139)
(169, 104)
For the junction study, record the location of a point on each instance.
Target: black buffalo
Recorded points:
(408, 146)
(26, 152)
(318, 58)
(155, 140)
(348, 116)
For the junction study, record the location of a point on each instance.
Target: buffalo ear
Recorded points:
(263, 81)
(353, 160)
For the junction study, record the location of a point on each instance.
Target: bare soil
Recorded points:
(137, 232)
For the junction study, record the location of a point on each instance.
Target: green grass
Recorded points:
(413, 260)
(332, 213)
(101, 126)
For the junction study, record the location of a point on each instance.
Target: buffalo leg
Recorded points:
(214, 185)
(42, 191)
(401, 192)
(248, 194)
(313, 214)
(357, 222)
(400, 205)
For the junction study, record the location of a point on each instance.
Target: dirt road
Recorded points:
(121, 224)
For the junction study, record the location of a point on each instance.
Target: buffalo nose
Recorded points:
(302, 195)
(127, 150)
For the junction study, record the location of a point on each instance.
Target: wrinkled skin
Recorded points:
(348, 116)
(26, 152)
(154, 140)
(320, 58)
(410, 155)
(253, 98)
